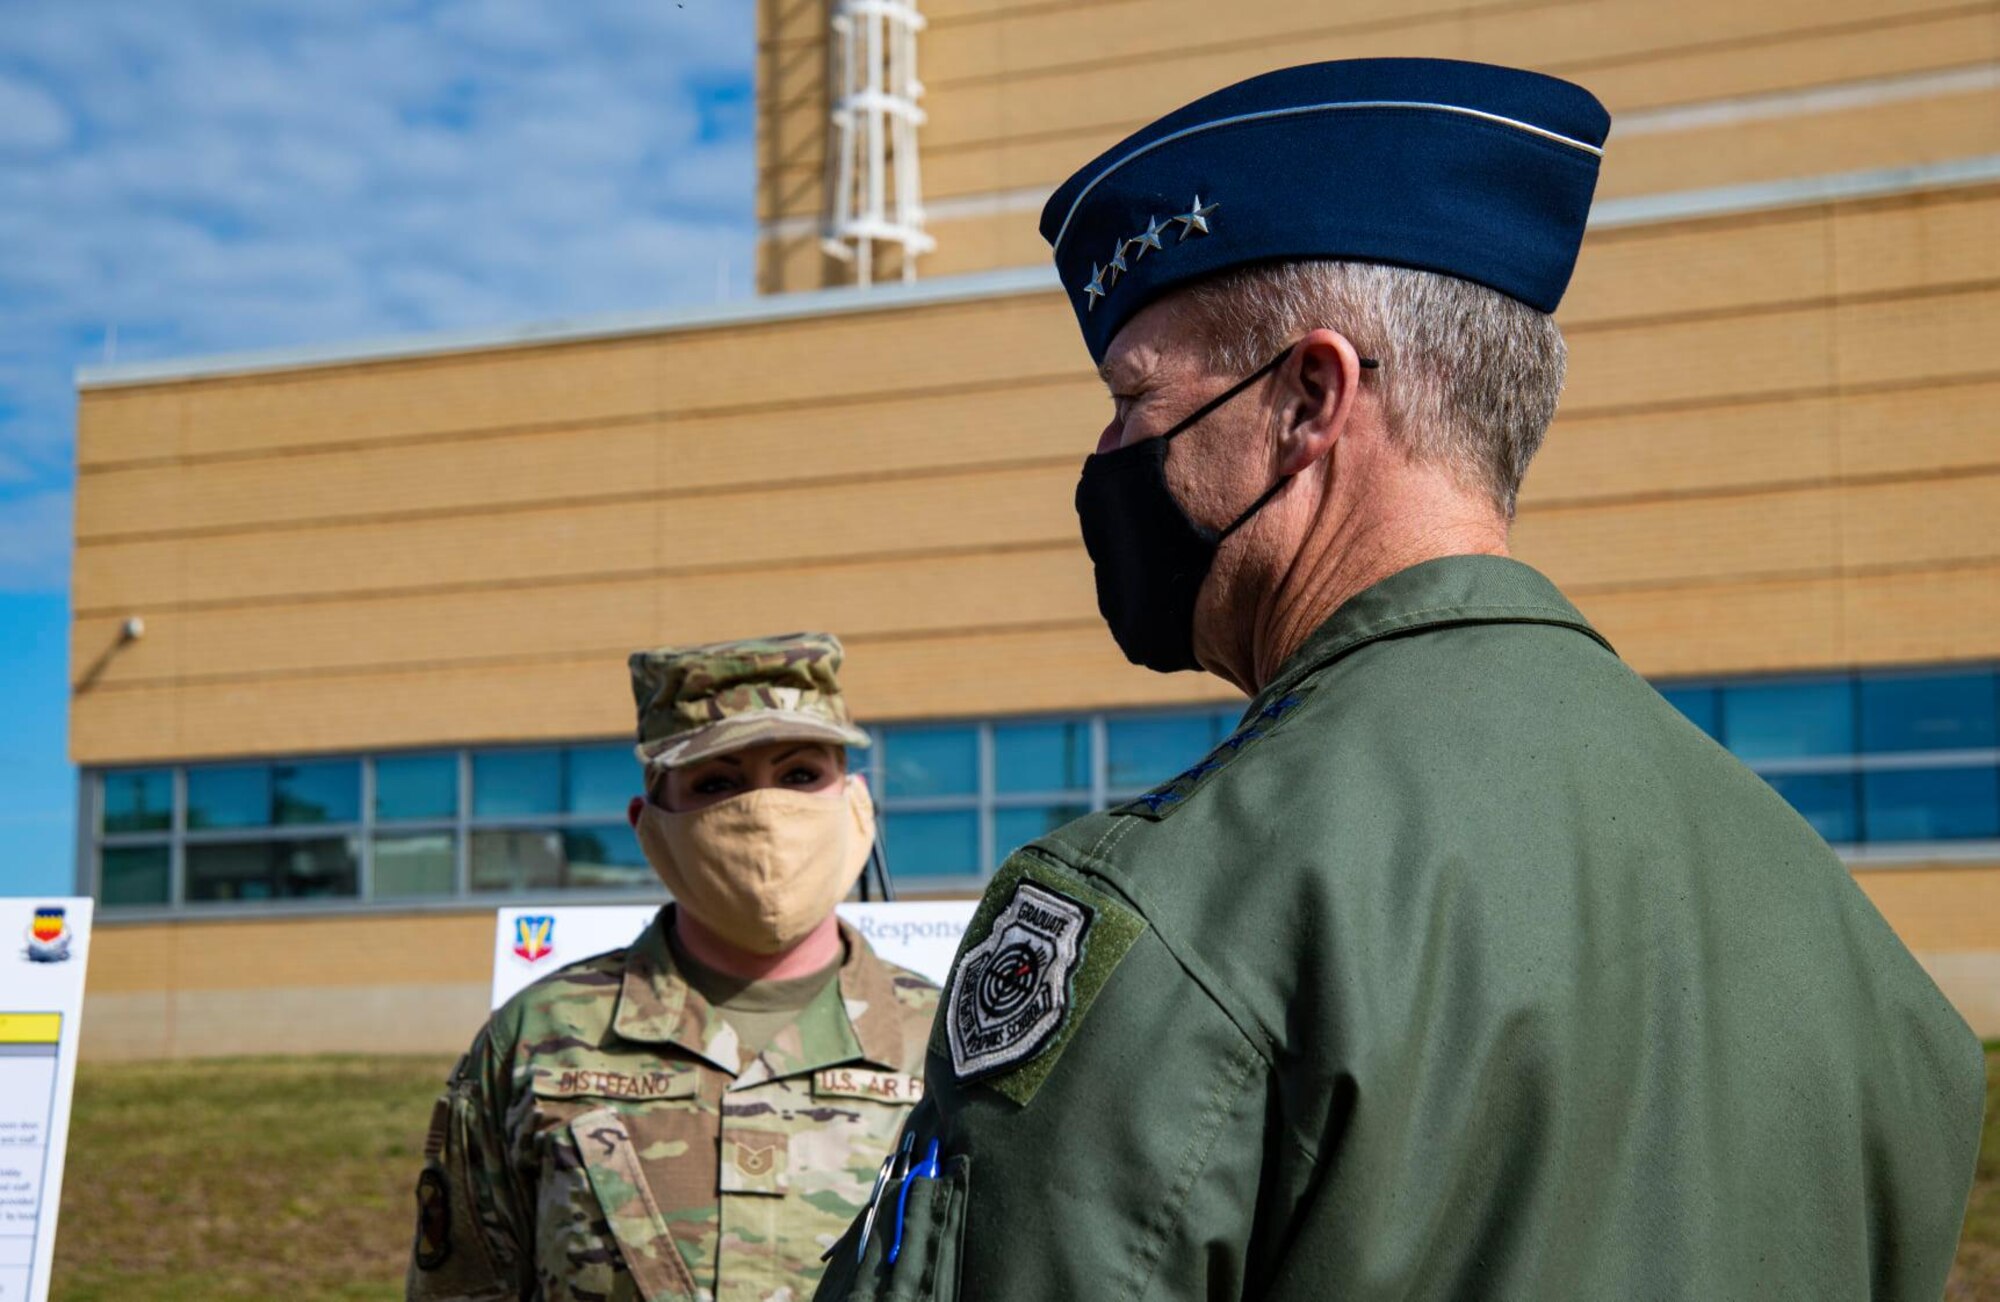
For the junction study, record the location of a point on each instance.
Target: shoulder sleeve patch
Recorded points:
(1040, 947)
(1263, 719)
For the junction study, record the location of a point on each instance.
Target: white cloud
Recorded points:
(222, 177)
(34, 541)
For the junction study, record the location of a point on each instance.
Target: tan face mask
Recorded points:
(764, 868)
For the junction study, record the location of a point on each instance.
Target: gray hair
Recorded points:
(1469, 376)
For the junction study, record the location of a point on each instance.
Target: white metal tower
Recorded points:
(874, 193)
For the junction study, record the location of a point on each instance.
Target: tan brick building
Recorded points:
(387, 589)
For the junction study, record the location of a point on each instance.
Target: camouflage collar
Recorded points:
(869, 994)
(656, 1005)
(1448, 591)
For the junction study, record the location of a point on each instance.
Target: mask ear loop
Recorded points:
(1264, 499)
(1202, 412)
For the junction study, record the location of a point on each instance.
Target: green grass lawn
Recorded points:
(289, 1179)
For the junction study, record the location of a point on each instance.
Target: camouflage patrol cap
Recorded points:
(697, 702)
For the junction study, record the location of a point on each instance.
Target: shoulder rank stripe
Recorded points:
(1257, 724)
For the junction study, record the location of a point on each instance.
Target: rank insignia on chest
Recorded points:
(1012, 989)
(1047, 940)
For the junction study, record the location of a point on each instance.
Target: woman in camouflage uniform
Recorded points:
(700, 1115)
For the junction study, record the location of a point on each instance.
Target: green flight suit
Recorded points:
(1465, 968)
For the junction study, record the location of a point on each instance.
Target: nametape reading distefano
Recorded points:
(581, 1084)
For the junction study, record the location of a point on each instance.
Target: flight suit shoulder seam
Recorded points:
(1095, 863)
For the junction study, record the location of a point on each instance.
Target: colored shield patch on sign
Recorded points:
(49, 935)
(534, 937)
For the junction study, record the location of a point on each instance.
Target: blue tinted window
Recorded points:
(416, 786)
(1701, 705)
(134, 874)
(1949, 711)
(138, 800)
(425, 863)
(932, 844)
(1047, 756)
(1014, 828)
(524, 860)
(509, 783)
(273, 870)
(1143, 752)
(1788, 720)
(605, 856)
(321, 791)
(237, 795)
(1826, 800)
(1932, 804)
(930, 761)
(602, 779)
(861, 759)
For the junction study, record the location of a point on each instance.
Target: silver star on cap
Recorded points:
(1148, 238)
(1195, 220)
(1116, 267)
(1095, 289)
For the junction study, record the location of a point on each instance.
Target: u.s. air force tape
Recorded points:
(1017, 995)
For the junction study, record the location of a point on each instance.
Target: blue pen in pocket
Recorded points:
(924, 1170)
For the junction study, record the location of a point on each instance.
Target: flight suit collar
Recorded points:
(1448, 591)
(657, 1005)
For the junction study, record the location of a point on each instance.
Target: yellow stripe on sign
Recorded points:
(30, 1028)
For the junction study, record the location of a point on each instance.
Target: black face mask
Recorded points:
(1150, 557)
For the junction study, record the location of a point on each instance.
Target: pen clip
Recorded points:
(924, 1170)
(885, 1175)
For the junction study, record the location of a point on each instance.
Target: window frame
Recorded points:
(986, 801)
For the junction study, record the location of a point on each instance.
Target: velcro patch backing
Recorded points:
(1040, 947)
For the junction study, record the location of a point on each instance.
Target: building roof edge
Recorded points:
(748, 311)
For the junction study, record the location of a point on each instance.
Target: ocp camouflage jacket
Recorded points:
(605, 1139)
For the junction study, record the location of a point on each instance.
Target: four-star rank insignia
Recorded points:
(1012, 990)
(1195, 221)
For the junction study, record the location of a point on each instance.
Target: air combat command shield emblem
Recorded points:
(1012, 990)
(534, 937)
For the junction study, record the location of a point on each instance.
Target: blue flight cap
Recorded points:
(1475, 171)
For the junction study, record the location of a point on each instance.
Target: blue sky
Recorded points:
(181, 178)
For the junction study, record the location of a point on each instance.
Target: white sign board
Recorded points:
(43, 944)
(530, 943)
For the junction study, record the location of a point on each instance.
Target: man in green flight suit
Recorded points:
(1465, 967)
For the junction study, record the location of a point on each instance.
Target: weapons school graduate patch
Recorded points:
(1018, 994)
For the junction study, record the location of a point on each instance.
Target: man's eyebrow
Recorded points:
(1112, 373)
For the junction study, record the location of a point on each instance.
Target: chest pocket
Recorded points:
(633, 1215)
(838, 1136)
(626, 1196)
(926, 1268)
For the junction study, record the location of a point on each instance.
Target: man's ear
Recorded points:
(633, 808)
(1322, 376)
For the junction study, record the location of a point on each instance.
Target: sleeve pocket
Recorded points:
(926, 1270)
